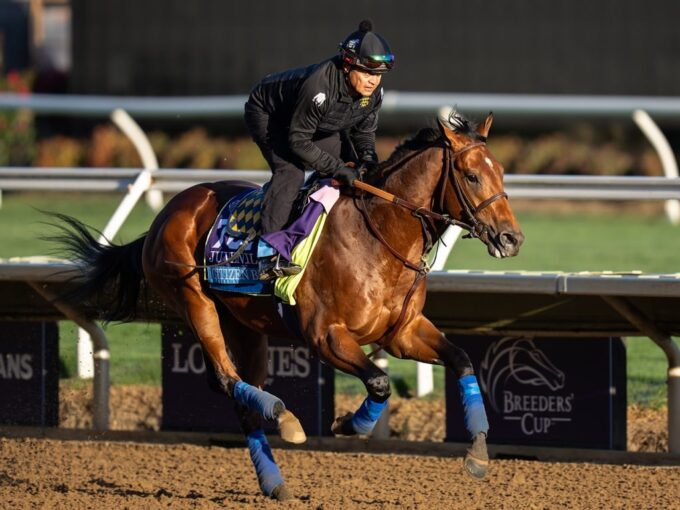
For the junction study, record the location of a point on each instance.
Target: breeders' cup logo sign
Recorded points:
(513, 367)
(557, 391)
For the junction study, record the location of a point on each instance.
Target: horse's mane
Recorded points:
(427, 137)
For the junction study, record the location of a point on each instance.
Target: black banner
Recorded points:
(189, 403)
(568, 392)
(29, 373)
(208, 47)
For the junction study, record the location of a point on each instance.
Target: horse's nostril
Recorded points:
(508, 239)
(511, 239)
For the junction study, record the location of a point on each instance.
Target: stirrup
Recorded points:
(278, 269)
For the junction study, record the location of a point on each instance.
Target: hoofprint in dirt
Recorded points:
(42, 473)
(139, 408)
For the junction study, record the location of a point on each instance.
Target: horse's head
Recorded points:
(472, 190)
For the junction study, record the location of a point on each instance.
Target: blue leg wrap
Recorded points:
(364, 419)
(258, 400)
(471, 397)
(268, 474)
(264, 249)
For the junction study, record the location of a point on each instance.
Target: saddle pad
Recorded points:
(244, 214)
(296, 242)
(242, 274)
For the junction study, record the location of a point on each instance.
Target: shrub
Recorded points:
(60, 151)
(111, 148)
(17, 128)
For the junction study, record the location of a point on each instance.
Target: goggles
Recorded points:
(377, 62)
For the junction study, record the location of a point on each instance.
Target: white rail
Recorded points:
(514, 106)
(572, 187)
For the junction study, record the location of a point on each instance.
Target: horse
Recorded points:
(363, 285)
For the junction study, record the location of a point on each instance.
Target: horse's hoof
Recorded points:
(281, 493)
(342, 426)
(290, 428)
(475, 467)
(477, 458)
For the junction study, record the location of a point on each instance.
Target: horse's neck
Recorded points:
(416, 180)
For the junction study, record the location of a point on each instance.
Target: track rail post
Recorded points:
(382, 426)
(665, 153)
(670, 348)
(100, 355)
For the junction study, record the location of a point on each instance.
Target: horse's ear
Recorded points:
(484, 127)
(454, 139)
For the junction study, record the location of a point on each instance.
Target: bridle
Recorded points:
(470, 221)
(470, 213)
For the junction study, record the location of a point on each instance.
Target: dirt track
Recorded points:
(79, 475)
(40, 473)
(139, 408)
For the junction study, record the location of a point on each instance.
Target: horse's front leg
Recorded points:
(343, 352)
(421, 341)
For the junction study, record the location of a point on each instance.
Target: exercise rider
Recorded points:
(308, 118)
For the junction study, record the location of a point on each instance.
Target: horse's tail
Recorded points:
(111, 275)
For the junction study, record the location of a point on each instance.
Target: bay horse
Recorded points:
(365, 283)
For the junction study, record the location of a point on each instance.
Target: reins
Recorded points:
(427, 217)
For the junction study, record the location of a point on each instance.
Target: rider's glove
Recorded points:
(346, 175)
(369, 161)
(368, 166)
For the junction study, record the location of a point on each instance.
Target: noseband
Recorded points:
(469, 212)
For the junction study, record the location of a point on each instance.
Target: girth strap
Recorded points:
(421, 269)
(387, 339)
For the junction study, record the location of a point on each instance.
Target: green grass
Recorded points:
(565, 242)
(647, 367)
(135, 352)
(23, 225)
(582, 242)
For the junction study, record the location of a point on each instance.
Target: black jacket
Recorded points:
(314, 102)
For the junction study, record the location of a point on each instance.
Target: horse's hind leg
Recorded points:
(200, 313)
(249, 352)
(420, 340)
(343, 352)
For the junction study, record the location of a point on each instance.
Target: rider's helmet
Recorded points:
(367, 50)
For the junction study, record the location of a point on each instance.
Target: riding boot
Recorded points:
(276, 268)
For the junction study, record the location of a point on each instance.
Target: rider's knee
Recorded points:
(379, 387)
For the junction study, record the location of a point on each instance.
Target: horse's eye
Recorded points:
(471, 178)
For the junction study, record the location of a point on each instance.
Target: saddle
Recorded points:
(231, 261)
(244, 218)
